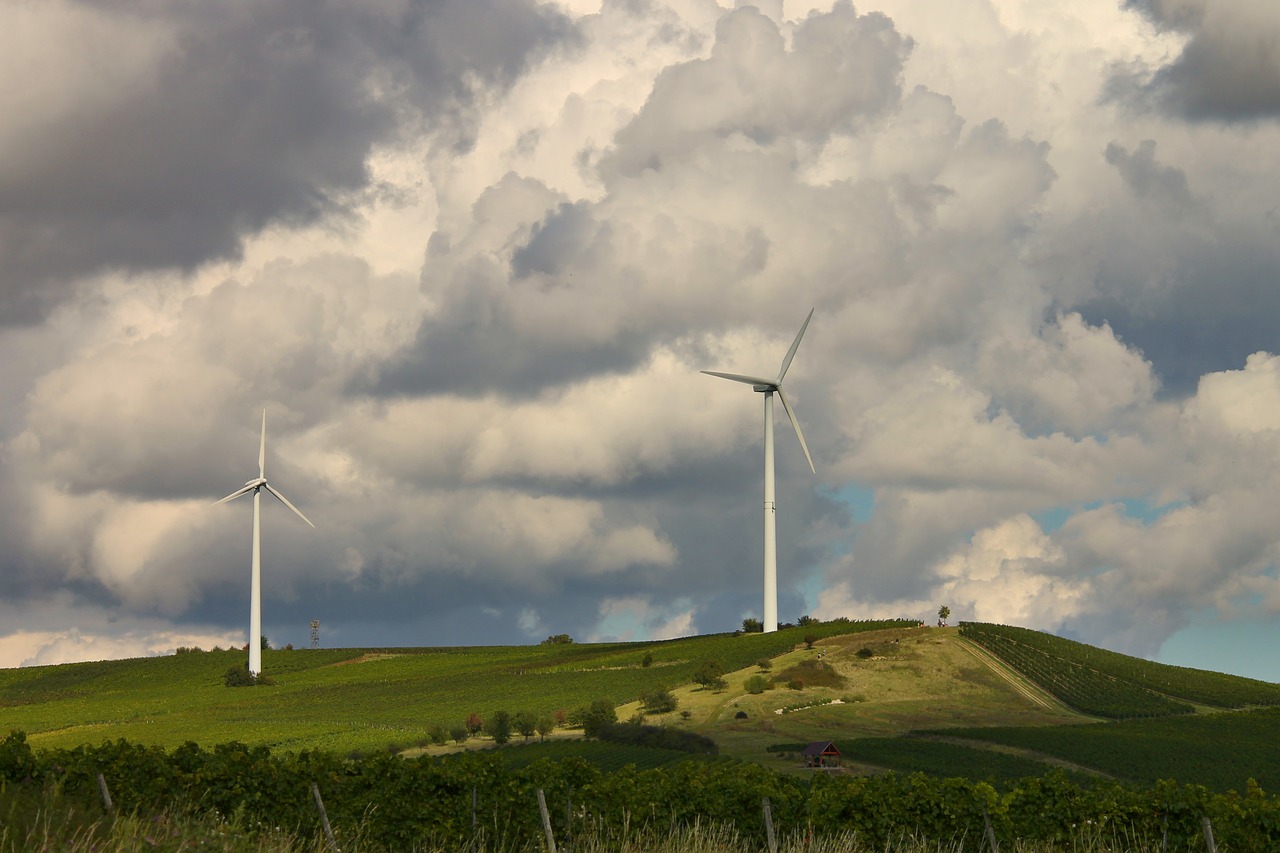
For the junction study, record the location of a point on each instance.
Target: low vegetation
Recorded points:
(1107, 684)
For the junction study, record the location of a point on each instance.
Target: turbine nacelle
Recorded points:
(764, 388)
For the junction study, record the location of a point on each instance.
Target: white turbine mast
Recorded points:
(255, 595)
(769, 387)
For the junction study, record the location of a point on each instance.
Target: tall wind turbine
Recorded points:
(769, 387)
(255, 596)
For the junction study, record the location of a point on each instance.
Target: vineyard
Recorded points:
(347, 700)
(1222, 751)
(1107, 684)
(385, 803)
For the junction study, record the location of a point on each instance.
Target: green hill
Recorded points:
(984, 701)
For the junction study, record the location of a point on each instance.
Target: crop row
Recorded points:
(1221, 751)
(1076, 684)
(401, 804)
(1191, 685)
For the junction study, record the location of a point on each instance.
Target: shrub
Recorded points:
(475, 724)
(752, 626)
(658, 701)
(809, 640)
(647, 660)
(795, 684)
(499, 727)
(758, 684)
(239, 676)
(557, 640)
(598, 715)
(459, 734)
(741, 715)
(438, 735)
(765, 664)
(865, 652)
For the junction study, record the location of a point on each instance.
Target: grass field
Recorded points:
(882, 681)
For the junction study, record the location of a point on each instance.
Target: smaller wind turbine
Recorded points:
(769, 387)
(255, 596)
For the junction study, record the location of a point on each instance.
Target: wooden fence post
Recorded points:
(991, 833)
(768, 825)
(324, 818)
(1208, 835)
(546, 821)
(473, 811)
(106, 795)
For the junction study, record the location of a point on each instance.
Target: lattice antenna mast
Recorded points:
(315, 633)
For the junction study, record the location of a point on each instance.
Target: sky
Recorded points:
(470, 256)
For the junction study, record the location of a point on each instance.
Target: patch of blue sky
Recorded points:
(1143, 509)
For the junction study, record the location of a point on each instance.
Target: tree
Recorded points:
(806, 620)
(557, 640)
(809, 640)
(266, 644)
(765, 664)
(943, 613)
(708, 675)
(546, 725)
(752, 626)
(598, 715)
(757, 684)
(474, 724)
(438, 735)
(459, 734)
(525, 723)
(658, 701)
(499, 727)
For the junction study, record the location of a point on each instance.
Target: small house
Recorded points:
(821, 755)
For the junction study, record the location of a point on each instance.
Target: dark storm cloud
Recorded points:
(251, 114)
(1193, 293)
(1229, 69)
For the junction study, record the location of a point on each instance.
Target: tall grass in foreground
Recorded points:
(71, 831)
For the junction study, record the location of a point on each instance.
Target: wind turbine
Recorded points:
(769, 387)
(255, 596)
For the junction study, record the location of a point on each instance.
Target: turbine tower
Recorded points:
(255, 595)
(769, 387)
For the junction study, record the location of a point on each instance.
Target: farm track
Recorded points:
(1028, 690)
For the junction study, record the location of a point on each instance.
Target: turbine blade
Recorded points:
(237, 493)
(791, 353)
(262, 448)
(791, 416)
(285, 501)
(738, 377)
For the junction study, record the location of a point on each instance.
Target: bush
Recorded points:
(647, 660)
(459, 734)
(765, 664)
(239, 676)
(865, 652)
(660, 737)
(598, 715)
(752, 626)
(475, 724)
(438, 735)
(499, 727)
(758, 684)
(809, 640)
(658, 701)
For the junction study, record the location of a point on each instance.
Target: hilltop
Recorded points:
(982, 701)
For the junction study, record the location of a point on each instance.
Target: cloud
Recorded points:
(1229, 65)
(160, 136)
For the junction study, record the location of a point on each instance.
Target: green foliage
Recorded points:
(557, 640)
(811, 673)
(658, 701)
(240, 676)
(596, 716)
(17, 763)
(346, 700)
(658, 737)
(647, 660)
(424, 804)
(758, 684)
(1107, 684)
(752, 626)
(944, 613)
(764, 664)
(498, 727)
(526, 723)
(809, 640)
(806, 621)
(1220, 751)
(475, 724)
(908, 754)
(459, 734)
(438, 735)
(709, 673)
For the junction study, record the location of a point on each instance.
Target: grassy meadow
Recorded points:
(893, 696)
